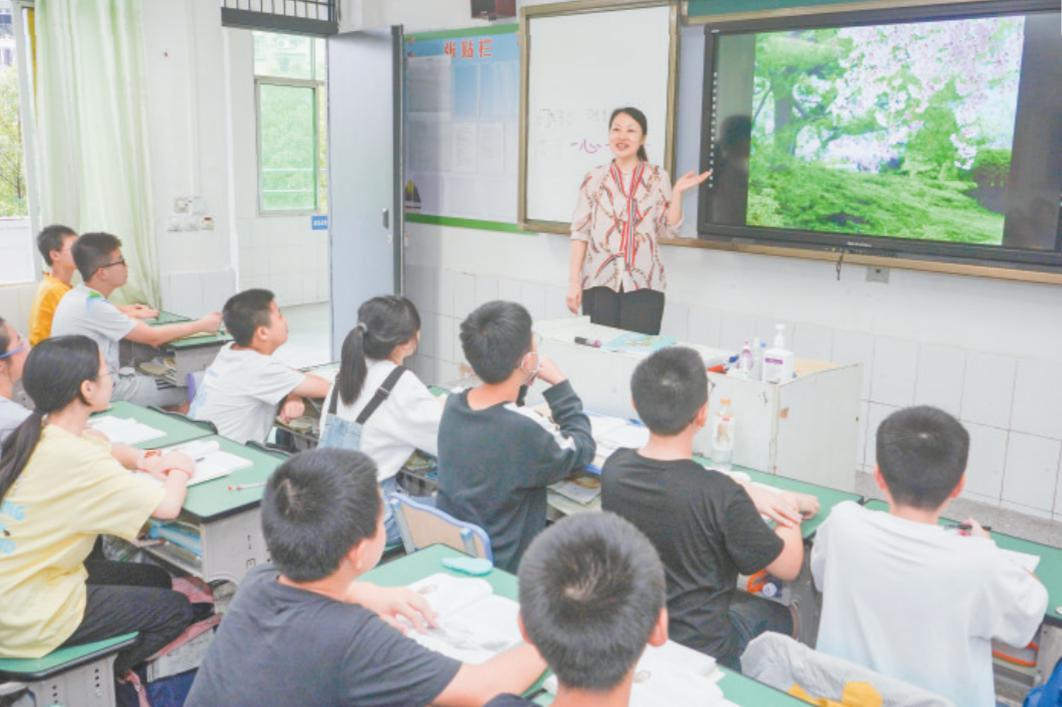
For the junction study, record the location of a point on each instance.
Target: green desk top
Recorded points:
(212, 499)
(828, 497)
(408, 569)
(1049, 571)
(177, 428)
(167, 318)
(69, 657)
(196, 341)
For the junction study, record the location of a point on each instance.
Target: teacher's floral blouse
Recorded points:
(622, 251)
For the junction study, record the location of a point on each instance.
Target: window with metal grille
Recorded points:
(297, 16)
(291, 100)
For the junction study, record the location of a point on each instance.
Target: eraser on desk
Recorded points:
(468, 565)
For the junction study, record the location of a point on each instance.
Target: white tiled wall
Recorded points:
(1008, 402)
(282, 254)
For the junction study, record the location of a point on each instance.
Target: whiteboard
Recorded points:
(579, 68)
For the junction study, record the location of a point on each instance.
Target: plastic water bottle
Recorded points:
(723, 435)
(745, 359)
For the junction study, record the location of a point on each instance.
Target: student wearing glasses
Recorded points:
(13, 351)
(87, 310)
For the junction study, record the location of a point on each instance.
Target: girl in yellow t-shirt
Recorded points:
(62, 486)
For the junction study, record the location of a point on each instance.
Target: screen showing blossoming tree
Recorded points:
(931, 131)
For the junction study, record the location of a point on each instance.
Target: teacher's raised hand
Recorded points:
(690, 180)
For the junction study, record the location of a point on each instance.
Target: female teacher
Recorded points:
(624, 208)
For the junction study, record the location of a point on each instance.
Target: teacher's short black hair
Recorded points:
(494, 337)
(591, 591)
(317, 506)
(922, 453)
(669, 388)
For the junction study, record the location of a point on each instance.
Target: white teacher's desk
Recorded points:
(805, 429)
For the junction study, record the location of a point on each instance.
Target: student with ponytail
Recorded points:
(13, 351)
(624, 207)
(376, 405)
(62, 486)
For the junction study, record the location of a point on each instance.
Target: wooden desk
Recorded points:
(178, 428)
(408, 569)
(229, 522)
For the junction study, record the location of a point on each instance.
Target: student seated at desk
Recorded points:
(591, 599)
(61, 487)
(13, 352)
(376, 405)
(86, 310)
(56, 243)
(496, 457)
(306, 632)
(907, 597)
(704, 525)
(242, 388)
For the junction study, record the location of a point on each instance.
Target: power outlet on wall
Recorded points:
(877, 275)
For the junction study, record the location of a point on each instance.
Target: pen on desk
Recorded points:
(241, 487)
(594, 343)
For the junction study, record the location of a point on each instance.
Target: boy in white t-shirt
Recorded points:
(907, 597)
(244, 385)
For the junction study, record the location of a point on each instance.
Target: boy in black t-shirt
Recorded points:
(307, 632)
(704, 525)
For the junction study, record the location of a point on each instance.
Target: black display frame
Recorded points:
(870, 245)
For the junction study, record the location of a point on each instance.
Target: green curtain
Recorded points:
(91, 129)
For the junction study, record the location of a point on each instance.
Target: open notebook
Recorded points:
(211, 462)
(671, 674)
(124, 430)
(475, 624)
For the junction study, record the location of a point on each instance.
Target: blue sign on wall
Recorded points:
(319, 222)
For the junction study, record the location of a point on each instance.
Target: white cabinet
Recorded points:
(806, 429)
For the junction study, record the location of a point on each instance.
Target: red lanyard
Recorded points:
(633, 214)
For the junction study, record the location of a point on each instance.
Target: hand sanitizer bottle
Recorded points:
(723, 435)
(778, 362)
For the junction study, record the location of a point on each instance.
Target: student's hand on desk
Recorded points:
(807, 503)
(160, 466)
(210, 322)
(293, 407)
(976, 530)
(140, 311)
(390, 603)
(779, 506)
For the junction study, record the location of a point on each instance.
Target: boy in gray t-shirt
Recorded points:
(86, 310)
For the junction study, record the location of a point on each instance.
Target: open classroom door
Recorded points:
(365, 80)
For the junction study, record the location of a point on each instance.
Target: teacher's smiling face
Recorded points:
(625, 136)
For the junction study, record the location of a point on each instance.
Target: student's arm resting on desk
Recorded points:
(294, 404)
(788, 563)
(138, 311)
(754, 546)
(157, 336)
(513, 671)
(174, 489)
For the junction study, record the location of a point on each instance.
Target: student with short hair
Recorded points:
(591, 598)
(61, 487)
(496, 457)
(307, 631)
(242, 388)
(13, 352)
(704, 524)
(56, 244)
(907, 597)
(376, 405)
(86, 310)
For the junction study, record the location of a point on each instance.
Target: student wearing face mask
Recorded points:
(496, 458)
(615, 271)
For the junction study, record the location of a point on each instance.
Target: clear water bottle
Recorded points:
(723, 435)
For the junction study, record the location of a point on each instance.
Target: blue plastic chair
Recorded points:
(422, 525)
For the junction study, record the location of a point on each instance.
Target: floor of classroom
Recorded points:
(1003, 520)
(308, 335)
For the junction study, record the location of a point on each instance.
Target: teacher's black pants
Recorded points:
(129, 596)
(639, 311)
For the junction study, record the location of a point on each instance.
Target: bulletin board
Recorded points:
(462, 127)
